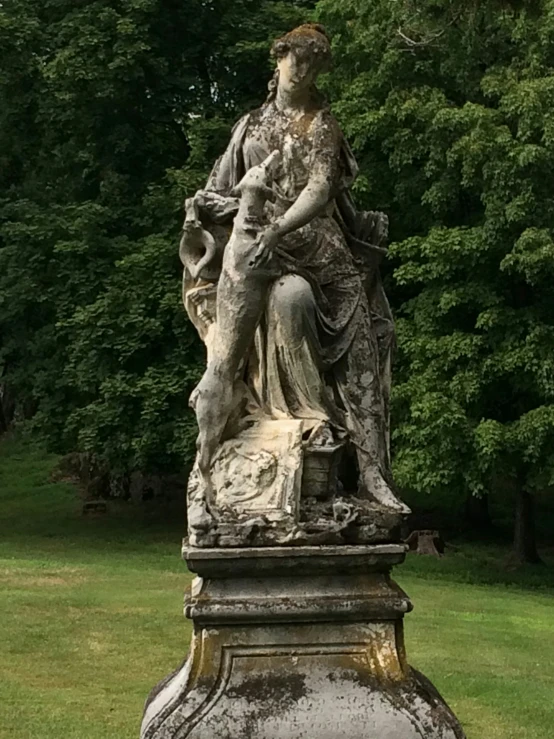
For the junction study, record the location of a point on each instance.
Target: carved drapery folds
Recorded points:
(281, 280)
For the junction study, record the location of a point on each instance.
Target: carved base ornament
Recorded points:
(297, 643)
(293, 519)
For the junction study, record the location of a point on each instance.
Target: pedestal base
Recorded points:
(297, 643)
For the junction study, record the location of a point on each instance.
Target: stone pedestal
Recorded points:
(297, 643)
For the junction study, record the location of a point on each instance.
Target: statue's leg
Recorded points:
(359, 383)
(293, 381)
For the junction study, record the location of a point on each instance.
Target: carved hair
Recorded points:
(272, 86)
(309, 39)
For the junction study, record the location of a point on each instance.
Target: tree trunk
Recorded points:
(5, 410)
(525, 543)
(477, 512)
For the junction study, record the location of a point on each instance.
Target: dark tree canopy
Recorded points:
(110, 112)
(448, 106)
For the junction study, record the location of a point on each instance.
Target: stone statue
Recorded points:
(282, 282)
(297, 625)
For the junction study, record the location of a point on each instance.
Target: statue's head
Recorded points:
(301, 55)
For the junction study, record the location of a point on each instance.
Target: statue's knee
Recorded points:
(292, 299)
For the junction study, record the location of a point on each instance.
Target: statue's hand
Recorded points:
(265, 244)
(375, 228)
(381, 229)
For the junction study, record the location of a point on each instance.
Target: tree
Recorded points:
(448, 108)
(110, 113)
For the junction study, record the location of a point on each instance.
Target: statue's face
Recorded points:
(297, 71)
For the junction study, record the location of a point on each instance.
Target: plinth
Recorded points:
(297, 643)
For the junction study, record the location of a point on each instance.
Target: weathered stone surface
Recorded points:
(297, 644)
(337, 520)
(277, 561)
(281, 280)
(293, 638)
(259, 471)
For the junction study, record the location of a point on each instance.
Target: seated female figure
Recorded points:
(316, 344)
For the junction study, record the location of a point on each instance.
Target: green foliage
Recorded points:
(448, 106)
(110, 113)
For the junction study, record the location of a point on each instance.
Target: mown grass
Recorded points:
(90, 608)
(91, 617)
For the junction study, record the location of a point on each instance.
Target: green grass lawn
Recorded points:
(91, 618)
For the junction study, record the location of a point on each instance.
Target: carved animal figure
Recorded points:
(197, 247)
(241, 293)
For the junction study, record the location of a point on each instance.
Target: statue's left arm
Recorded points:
(310, 203)
(318, 191)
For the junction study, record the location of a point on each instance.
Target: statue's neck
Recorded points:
(292, 103)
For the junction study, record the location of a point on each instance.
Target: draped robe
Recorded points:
(322, 349)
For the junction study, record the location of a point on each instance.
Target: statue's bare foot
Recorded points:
(381, 492)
